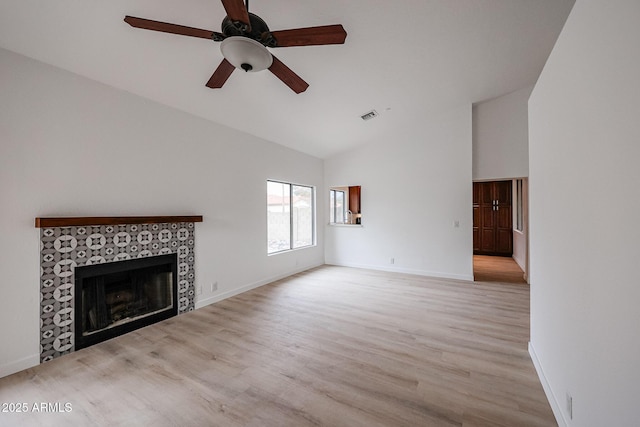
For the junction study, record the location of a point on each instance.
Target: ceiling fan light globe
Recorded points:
(246, 54)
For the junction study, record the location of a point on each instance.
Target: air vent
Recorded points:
(370, 115)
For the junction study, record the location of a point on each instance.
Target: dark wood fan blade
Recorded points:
(237, 11)
(148, 24)
(221, 75)
(326, 34)
(287, 76)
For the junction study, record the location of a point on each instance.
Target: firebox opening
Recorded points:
(114, 298)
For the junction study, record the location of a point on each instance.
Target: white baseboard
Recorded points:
(519, 261)
(224, 295)
(19, 365)
(467, 278)
(525, 274)
(553, 401)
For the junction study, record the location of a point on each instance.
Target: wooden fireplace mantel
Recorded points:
(112, 220)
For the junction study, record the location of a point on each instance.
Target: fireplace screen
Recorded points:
(118, 297)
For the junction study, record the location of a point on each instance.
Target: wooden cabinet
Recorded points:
(492, 218)
(354, 199)
(355, 204)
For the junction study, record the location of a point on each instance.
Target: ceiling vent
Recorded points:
(370, 115)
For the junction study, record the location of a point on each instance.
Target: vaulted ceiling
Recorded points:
(405, 59)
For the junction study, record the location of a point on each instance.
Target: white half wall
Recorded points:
(584, 207)
(501, 137)
(73, 147)
(414, 188)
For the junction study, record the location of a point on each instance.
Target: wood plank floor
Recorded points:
(497, 269)
(332, 346)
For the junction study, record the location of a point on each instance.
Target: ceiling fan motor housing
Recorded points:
(259, 30)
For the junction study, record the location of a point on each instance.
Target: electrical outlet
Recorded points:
(570, 406)
(199, 290)
(456, 224)
(392, 261)
(214, 286)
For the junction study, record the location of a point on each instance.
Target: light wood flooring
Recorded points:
(332, 346)
(497, 269)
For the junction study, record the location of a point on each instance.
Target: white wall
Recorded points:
(501, 149)
(501, 137)
(585, 205)
(73, 147)
(414, 186)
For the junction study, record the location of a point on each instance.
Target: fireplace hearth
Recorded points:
(119, 297)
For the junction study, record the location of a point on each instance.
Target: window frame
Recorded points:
(291, 233)
(334, 211)
(519, 205)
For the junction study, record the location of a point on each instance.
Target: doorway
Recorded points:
(500, 230)
(492, 218)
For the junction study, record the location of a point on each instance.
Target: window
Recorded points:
(344, 205)
(336, 207)
(519, 206)
(290, 216)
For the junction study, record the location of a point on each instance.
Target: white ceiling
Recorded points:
(405, 59)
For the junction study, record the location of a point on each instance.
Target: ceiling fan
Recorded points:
(245, 38)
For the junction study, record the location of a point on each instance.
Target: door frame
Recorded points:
(523, 260)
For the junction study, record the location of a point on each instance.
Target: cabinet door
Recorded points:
(488, 229)
(486, 193)
(504, 218)
(477, 216)
(354, 199)
(487, 218)
(502, 192)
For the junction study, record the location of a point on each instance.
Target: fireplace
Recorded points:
(68, 245)
(115, 298)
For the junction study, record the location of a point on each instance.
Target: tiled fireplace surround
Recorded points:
(63, 248)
